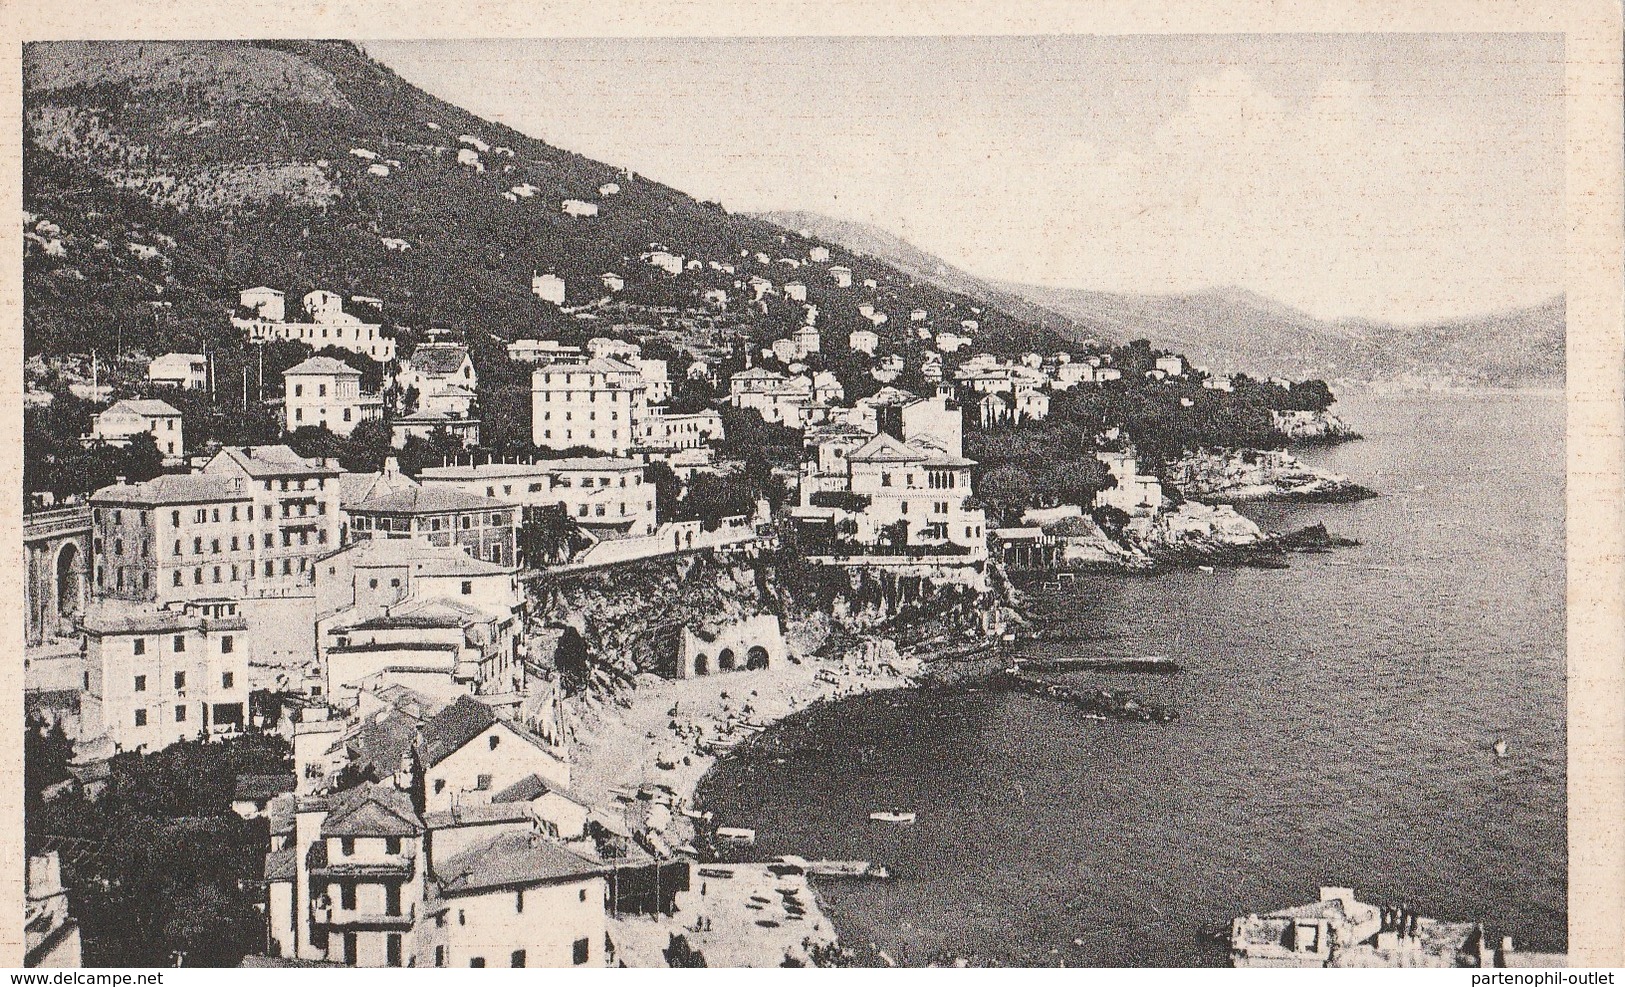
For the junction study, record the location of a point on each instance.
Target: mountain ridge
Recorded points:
(1231, 328)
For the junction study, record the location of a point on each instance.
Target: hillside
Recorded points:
(1231, 329)
(161, 178)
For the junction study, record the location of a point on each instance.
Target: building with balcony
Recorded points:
(598, 405)
(484, 527)
(296, 511)
(326, 392)
(126, 419)
(187, 371)
(176, 537)
(603, 493)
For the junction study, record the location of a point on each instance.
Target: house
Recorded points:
(951, 342)
(862, 341)
(1173, 366)
(842, 276)
(609, 188)
(485, 528)
(544, 351)
(819, 255)
(993, 410)
(456, 748)
(124, 420)
(1307, 935)
(795, 291)
(599, 404)
(750, 388)
(439, 377)
(827, 388)
(548, 287)
(518, 900)
(1223, 382)
(917, 315)
(265, 303)
(655, 379)
(1031, 405)
(1135, 494)
(188, 371)
(579, 208)
(888, 497)
(665, 260)
(808, 340)
(743, 645)
(158, 675)
(612, 281)
(323, 391)
(605, 348)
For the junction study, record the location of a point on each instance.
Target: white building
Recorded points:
(655, 376)
(126, 419)
(548, 287)
(544, 351)
(795, 291)
(155, 675)
(819, 255)
(189, 371)
(327, 323)
(842, 276)
(598, 404)
(612, 281)
(266, 303)
(323, 391)
(1135, 494)
(1173, 366)
(577, 207)
(862, 341)
(443, 376)
(606, 494)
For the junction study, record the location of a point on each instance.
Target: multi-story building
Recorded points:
(442, 375)
(176, 537)
(544, 351)
(327, 392)
(668, 432)
(188, 371)
(605, 493)
(484, 527)
(327, 322)
(598, 405)
(296, 511)
(126, 419)
(157, 675)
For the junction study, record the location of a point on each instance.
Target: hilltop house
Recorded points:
(328, 322)
(188, 371)
(862, 341)
(842, 276)
(578, 207)
(544, 351)
(133, 416)
(442, 377)
(1135, 494)
(548, 287)
(324, 391)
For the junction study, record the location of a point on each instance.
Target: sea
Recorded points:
(1337, 724)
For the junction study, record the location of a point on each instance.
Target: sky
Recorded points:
(1398, 177)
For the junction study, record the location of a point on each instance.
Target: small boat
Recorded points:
(896, 818)
(1205, 568)
(1500, 748)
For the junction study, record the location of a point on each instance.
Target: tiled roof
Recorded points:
(266, 462)
(172, 488)
(438, 359)
(448, 730)
(427, 500)
(322, 365)
(513, 859)
(372, 810)
(149, 407)
(883, 448)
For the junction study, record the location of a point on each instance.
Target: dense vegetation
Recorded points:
(158, 866)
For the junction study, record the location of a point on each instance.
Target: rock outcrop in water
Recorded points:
(1312, 427)
(1256, 475)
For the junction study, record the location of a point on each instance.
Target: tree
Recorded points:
(549, 536)
(711, 498)
(1073, 481)
(668, 488)
(315, 442)
(367, 447)
(1007, 491)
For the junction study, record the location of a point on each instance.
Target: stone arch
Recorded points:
(702, 664)
(70, 579)
(756, 657)
(725, 660)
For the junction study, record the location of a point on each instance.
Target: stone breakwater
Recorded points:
(1235, 476)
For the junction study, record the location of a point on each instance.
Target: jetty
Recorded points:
(1099, 703)
(1147, 665)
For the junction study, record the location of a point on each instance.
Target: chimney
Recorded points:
(121, 480)
(392, 466)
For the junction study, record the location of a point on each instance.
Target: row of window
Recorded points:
(615, 391)
(569, 433)
(227, 679)
(178, 645)
(592, 416)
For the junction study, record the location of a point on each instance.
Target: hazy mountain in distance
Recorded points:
(1231, 329)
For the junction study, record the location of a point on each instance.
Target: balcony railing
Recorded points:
(401, 868)
(329, 916)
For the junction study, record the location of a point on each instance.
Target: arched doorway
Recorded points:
(70, 580)
(702, 664)
(756, 657)
(725, 660)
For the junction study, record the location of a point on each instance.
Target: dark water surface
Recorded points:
(1336, 723)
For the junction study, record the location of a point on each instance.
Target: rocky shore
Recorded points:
(1313, 427)
(1237, 476)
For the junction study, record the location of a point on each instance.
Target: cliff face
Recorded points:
(630, 616)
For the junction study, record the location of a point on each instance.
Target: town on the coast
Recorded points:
(380, 621)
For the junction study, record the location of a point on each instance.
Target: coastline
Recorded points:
(658, 733)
